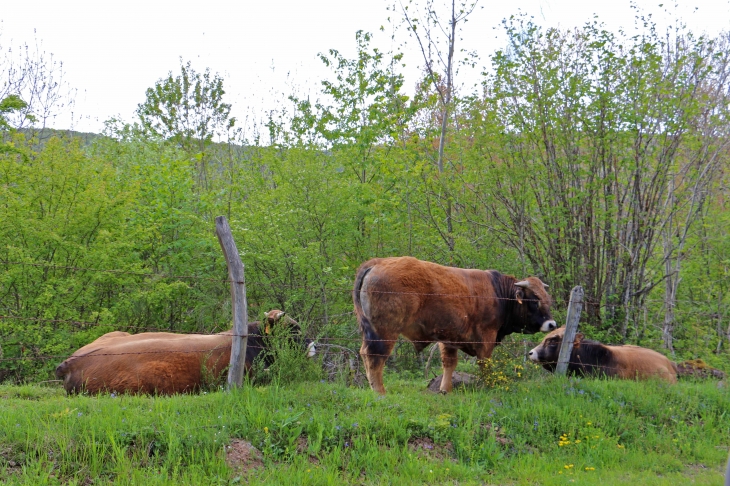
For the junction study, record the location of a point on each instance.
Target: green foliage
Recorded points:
(598, 158)
(590, 158)
(10, 104)
(287, 355)
(187, 109)
(547, 430)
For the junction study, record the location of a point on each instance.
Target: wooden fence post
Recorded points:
(571, 326)
(238, 302)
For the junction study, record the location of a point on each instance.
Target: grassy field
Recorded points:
(542, 430)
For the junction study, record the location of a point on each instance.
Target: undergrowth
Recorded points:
(545, 430)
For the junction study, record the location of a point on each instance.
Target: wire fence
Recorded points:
(279, 285)
(345, 343)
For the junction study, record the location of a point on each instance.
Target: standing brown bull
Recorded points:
(468, 310)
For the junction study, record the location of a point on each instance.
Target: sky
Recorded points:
(112, 50)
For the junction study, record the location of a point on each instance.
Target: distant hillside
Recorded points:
(46, 133)
(87, 138)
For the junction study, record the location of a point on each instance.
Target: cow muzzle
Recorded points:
(533, 355)
(548, 326)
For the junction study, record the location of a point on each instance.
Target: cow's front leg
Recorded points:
(449, 359)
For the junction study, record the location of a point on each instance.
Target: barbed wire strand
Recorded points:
(320, 288)
(268, 337)
(588, 367)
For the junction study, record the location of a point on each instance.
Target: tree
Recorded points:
(430, 45)
(8, 106)
(605, 148)
(33, 89)
(368, 107)
(188, 109)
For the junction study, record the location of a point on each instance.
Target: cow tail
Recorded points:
(372, 344)
(366, 327)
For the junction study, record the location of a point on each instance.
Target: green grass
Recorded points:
(630, 433)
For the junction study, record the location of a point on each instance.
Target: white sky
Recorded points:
(112, 50)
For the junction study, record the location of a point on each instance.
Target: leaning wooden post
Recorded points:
(238, 302)
(571, 327)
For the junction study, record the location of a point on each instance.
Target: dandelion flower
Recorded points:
(266, 430)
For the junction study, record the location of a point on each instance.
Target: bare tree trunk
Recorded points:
(627, 308)
(670, 297)
(669, 282)
(720, 336)
(445, 119)
(324, 306)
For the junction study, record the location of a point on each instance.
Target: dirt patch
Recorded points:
(303, 447)
(8, 459)
(242, 457)
(427, 447)
(499, 436)
(458, 380)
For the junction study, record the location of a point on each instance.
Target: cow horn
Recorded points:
(546, 286)
(523, 283)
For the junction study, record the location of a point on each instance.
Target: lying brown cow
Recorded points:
(161, 362)
(468, 310)
(591, 358)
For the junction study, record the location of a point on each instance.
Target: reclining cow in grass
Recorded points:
(468, 310)
(591, 358)
(165, 363)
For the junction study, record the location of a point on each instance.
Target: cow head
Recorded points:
(278, 323)
(548, 351)
(533, 305)
(276, 319)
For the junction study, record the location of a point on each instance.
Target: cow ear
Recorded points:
(578, 339)
(519, 295)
